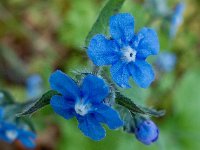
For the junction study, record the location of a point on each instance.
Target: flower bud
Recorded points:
(146, 131)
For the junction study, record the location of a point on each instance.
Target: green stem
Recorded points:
(121, 99)
(95, 69)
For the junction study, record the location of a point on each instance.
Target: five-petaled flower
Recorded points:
(10, 132)
(125, 51)
(85, 102)
(146, 131)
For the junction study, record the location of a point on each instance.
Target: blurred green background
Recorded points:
(39, 36)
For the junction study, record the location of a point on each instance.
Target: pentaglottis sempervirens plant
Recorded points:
(85, 98)
(94, 96)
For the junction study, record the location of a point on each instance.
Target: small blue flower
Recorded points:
(9, 132)
(6, 129)
(166, 61)
(85, 102)
(177, 18)
(146, 131)
(126, 52)
(34, 86)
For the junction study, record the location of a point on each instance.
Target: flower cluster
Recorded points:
(126, 52)
(10, 132)
(95, 101)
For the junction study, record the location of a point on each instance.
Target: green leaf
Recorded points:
(153, 112)
(9, 115)
(127, 103)
(42, 102)
(101, 24)
(130, 105)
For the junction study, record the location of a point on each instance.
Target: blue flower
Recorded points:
(6, 129)
(34, 86)
(146, 131)
(125, 51)
(9, 132)
(85, 102)
(166, 61)
(177, 18)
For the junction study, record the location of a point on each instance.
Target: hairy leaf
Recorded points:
(101, 24)
(42, 102)
(130, 105)
(153, 112)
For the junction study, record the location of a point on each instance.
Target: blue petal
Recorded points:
(26, 133)
(94, 89)
(64, 84)
(34, 86)
(5, 127)
(63, 107)
(1, 113)
(27, 138)
(28, 142)
(5, 138)
(109, 116)
(120, 74)
(166, 61)
(142, 73)
(91, 127)
(146, 43)
(177, 18)
(9, 126)
(102, 51)
(122, 27)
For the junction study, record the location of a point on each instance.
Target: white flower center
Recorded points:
(82, 109)
(129, 54)
(11, 134)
